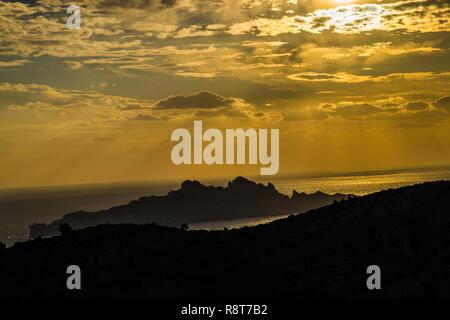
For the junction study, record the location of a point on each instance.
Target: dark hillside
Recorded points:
(320, 254)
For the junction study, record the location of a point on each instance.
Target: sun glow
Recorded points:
(343, 1)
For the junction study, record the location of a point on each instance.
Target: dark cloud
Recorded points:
(31, 2)
(390, 105)
(391, 109)
(130, 106)
(320, 22)
(404, 6)
(443, 104)
(416, 106)
(144, 117)
(361, 109)
(206, 113)
(199, 100)
(316, 76)
(135, 4)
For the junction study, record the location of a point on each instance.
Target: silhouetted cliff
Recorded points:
(323, 253)
(195, 202)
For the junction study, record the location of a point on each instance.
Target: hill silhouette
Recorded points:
(323, 253)
(195, 202)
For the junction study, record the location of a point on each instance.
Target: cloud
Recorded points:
(394, 110)
(73, 65)
(340, 77)
(416, 106)
(355, 18)
(343, 77)
(196, 74)
(206, 104)
(130, 106)
(443, 104)
(347, 110)
(13, 63)
(355, 110)
(77, 104)
(129, 4)
(325, 47)
(199, 100)
(144, 117)
(142, 3)
(353, 58)
(193, 31)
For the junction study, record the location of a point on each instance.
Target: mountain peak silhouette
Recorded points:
(192, 187)
(195, 202)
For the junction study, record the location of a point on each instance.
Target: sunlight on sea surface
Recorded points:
(233, 224)
(358, 184)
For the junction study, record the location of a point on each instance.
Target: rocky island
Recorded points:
(195, 202)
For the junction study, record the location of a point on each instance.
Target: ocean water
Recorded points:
(359, 184)
(233, 224)
(21, 207)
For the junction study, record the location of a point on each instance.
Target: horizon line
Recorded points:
(255, 178)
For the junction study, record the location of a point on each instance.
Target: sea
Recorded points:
(21, 207)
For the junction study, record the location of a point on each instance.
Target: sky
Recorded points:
(351, 85)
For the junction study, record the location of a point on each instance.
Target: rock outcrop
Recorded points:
(195, 202)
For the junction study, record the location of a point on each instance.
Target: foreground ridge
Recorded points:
(323, 253)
